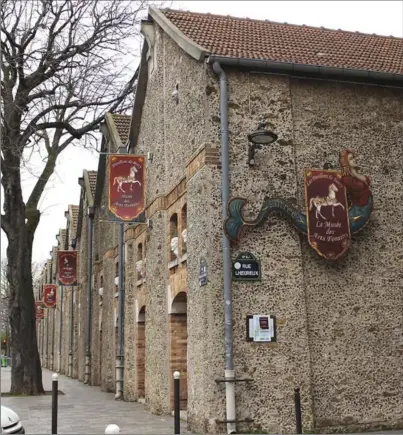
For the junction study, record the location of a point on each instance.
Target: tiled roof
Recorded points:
(92, 176)
(281, 42)
(122, 123)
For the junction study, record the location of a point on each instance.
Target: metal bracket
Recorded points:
(234, 380)
(247, 420)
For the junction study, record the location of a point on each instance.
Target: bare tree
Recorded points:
(62, 69)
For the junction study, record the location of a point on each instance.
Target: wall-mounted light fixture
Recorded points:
(73, 243)
(150, 157)
(257, 139)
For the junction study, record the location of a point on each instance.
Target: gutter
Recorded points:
(311, 71)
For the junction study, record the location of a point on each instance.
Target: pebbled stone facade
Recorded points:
(339, 325)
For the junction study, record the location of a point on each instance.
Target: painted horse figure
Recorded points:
(131, 179)
(329, 200)
(358, 188)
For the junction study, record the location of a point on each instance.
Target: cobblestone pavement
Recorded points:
(88, 410)
(83, 410)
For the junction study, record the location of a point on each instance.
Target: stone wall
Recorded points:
(354, 307)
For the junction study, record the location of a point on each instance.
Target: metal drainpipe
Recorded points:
(225, 187)
(52, 352)
(87, 374)
(53, 338)
(47, 338)
(59, 362)
(70, 362)
(120, 350)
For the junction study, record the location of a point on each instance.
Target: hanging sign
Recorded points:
(67, 268)
(49, 295)
(39, 311)
(246, 268)
(126, 199)
(327, 213)
(203, 272)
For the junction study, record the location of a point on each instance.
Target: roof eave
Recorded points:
(190, 47)
(301, 70)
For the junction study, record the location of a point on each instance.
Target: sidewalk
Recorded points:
(83, 410)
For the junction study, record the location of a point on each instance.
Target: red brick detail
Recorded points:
(140, 360)
(178, 355)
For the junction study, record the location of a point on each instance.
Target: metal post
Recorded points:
(87, 374)
(298, 416)
(55, 385)
(59, 363)
(120, 349)
(177, 403)
(70, 368)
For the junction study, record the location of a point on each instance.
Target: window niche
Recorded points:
(173, 238)
(184, 230)
(139, 264)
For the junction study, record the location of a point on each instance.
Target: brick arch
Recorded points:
(178, 344)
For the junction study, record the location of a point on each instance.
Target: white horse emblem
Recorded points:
(329, 200)
(131, 179)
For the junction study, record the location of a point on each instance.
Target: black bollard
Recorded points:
(177, 406)
(298, 417)
(55, 387)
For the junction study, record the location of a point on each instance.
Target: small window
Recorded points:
(173, 237)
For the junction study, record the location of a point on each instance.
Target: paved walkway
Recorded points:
(83, 410)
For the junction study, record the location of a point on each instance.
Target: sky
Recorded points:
(380, 17)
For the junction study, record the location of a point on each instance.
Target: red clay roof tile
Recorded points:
(265, 40)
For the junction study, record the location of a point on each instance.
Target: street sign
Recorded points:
(246, 268)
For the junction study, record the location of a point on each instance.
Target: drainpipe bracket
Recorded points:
(234, 380)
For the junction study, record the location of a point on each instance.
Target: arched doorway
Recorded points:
(178, 353)
(141, 354)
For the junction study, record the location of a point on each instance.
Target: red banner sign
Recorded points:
(68, 268)
(327, 213)
(39, 311)
(126, 187)
(49, 295)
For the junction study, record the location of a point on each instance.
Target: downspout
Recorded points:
(70, 360)
(121, 292)
(225, 187)
(59, 362)
(47, 339)
(87, 374)
(53, 338)
(120, 349)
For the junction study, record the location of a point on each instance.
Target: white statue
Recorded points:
(117, 280)
(185, 235)
(101, 291)
(175, 246)
(139, 266)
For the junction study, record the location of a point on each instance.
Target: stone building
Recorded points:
(339, 324)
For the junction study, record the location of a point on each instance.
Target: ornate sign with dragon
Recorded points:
(339, 204)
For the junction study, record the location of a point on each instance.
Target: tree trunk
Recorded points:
(26, 371)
